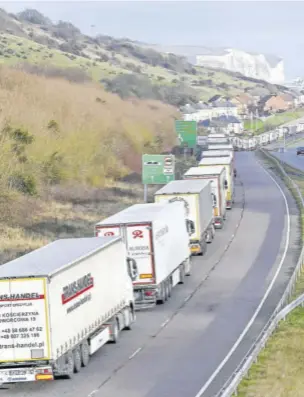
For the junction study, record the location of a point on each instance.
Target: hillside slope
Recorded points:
(121, 65)
(65, 150)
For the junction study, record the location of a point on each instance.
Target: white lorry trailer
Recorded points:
(211, 140)
(196, 195)
(217, 176)
(216, 135)
(220, 153)
(217, 153)
(59, 304)
(228, 164)
(220, 146)
(157, 238)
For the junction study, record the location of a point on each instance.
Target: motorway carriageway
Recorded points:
(290, 156)
(177, 349)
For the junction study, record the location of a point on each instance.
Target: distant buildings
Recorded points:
(228, 114)
(202, 111)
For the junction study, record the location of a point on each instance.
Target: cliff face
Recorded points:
(258, 66)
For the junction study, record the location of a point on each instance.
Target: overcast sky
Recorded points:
(260, 26)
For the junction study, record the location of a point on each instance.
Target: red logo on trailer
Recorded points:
(137, 234)
(109, 234)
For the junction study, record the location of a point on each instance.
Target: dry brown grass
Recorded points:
(63, 212)
(100, 138)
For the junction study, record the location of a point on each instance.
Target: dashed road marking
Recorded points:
(136, 352)
(92, 393)
(165, 323)
(182, 304)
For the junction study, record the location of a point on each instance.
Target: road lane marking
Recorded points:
(239, 340)
(165, 323)
(92, 393)
(134, 354)
(183, 303)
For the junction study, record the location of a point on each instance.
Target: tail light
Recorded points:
(149, 292)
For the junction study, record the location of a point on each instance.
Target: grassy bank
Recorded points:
(66, 211)
(65, 150)
(271, 122)
(65, 131)
(278, 371)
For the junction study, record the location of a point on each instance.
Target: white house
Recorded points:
(202, 111)
(226, 124)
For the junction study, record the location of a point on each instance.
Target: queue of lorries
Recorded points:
(60, 303)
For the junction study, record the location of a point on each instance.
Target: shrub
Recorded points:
(128, 85)
(33, 16)
(25, 184)
(70, 74)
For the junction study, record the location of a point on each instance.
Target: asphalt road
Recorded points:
(175, 348)
(290, 156)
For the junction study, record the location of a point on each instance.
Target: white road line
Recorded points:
(92, 393)
(239, 340)
(165, 322)
(187, 298)
(134, 354)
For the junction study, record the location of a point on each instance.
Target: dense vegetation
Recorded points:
(53, 131)
(121, 65)
(66, 144)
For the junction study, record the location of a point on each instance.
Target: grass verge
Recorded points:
(279, 368)
(66, 211)
(271, 122)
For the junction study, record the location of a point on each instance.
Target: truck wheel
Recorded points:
(169, 288)
(189, 267)
(213, 231)
(128, 326)
(209, 236)
(115, 331)
(85, 353)
(69, 365)
(167, 296)
(77, 360)
(162, 299)
(181, 274)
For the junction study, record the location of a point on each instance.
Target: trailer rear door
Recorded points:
(24, 328)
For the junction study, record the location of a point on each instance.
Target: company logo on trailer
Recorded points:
(180, 199)
(21, 297)
(77, 288)
(109, 234)
(138, 234)
(162, 232)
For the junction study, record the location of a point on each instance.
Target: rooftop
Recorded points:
(55, 256)
(223, 104)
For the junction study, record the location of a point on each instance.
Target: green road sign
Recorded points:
(186, 132)
(158, 169)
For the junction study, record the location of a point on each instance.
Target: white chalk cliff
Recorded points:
(259, 66)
